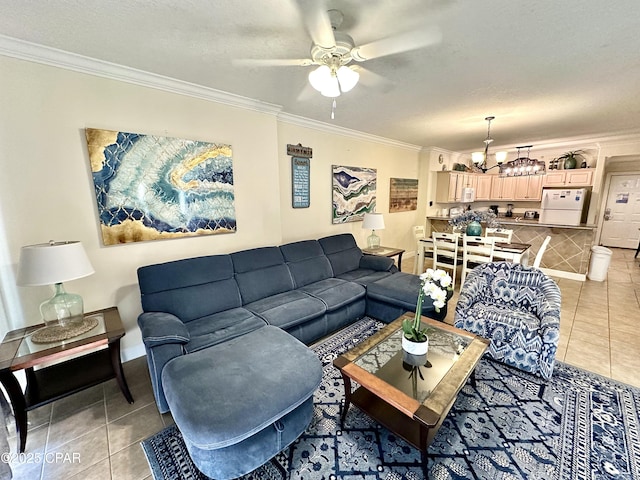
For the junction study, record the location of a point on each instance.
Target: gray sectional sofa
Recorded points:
(308, 289)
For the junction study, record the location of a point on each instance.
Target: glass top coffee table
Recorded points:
(410, 395)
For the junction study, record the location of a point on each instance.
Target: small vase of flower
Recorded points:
(470, 221)
(435, 284)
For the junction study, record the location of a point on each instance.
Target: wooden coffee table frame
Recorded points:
(415, 422)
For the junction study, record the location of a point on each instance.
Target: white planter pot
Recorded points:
(415, 348)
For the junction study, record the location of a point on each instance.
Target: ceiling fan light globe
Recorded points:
(501, 157)
(477, 157)
(348, 78)
(331, 88)
(319, 77)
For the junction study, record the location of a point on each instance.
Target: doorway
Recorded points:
(621, 222)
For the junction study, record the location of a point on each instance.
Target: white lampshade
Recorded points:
(477, 157)
(501, 157)
(53, 262)
(373, 221)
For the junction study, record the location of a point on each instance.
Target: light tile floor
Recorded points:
(598, 333)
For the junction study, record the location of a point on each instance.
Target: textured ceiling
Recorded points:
(547, 70)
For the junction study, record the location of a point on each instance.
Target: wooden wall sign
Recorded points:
(299, 151)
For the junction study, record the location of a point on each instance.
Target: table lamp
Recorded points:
(373, 221)
(51, 264)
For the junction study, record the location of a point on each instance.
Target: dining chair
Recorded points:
(475, 251)
(445, 253)
(424, 244)
(503, 234)
(543, 247)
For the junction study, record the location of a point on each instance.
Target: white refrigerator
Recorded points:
(564, 206)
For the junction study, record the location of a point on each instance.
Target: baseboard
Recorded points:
(133, 352)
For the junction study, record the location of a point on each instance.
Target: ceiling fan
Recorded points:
(333, 50)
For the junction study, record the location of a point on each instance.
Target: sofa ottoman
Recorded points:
(239, 403)
(390, 297)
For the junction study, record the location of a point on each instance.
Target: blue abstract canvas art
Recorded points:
(149, 187)
(354, 193)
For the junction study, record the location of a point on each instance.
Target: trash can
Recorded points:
(600, 259)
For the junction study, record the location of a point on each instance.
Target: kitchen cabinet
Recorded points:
(450, 184)
(554, 178)
(446, 186)
(483, 186)
(488, 187)
(528, 188)
(502, 188)
(581, 177)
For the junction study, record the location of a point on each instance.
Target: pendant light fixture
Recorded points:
(480, 158)
(523, 166)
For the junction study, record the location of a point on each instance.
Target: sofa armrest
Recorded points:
(377, 262)
(160, 328)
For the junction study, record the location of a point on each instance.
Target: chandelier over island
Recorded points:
(521, 166)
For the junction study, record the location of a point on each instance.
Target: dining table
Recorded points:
(502, 251)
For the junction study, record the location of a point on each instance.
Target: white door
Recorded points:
(621, 225)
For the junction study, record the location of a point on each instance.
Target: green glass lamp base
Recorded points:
(63, 308)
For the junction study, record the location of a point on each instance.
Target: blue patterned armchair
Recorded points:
(518, 309)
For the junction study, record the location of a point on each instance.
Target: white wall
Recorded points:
(46, 189)
(333, 149)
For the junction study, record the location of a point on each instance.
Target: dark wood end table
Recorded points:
(408, 399)
(50, 383)
(386, 252)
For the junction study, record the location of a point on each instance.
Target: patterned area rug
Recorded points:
(510, 426)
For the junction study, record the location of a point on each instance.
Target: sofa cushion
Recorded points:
(335, 293)
(342, 251)
(399, 289)
(260, 273)
(307, 262)
(364, 276)
(287, 309)
(220, 327)
(190, 288)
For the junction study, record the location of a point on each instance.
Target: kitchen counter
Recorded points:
(523, 221)
(567, 254)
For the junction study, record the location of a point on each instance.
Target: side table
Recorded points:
(50, 383)
(386, 252)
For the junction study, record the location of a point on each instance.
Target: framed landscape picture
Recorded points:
(149, 187)
(403, 194)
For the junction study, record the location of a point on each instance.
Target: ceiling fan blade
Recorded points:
(371, 79)
(272, 62)
(400, 43)
(317, 21)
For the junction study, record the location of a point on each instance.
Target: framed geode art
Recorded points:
(149, 187)
(354, 193)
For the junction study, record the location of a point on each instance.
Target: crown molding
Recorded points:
(347, 132)
(32, 52)
(20, 49)
(582, 141)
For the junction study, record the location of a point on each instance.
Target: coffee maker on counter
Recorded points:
(494, 209)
